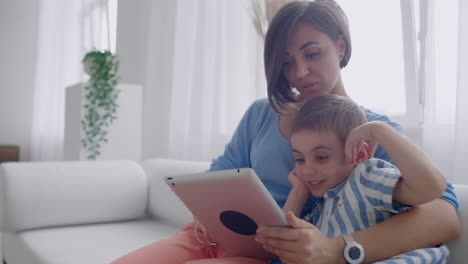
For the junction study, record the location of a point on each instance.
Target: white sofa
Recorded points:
(94, 212)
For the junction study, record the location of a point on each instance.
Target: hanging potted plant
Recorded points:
(101, 94)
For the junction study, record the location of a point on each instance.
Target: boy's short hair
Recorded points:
(330, 113)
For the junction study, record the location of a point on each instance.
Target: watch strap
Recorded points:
(348, 238)
(353, 252)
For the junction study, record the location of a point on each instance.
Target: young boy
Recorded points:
(331, 143)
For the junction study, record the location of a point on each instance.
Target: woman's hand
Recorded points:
(300, 243)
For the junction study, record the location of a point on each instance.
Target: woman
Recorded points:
(306, 46)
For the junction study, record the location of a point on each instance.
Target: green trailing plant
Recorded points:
(100, 107)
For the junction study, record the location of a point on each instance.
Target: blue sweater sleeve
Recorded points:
(237, 151)
(448, 195)
(380, 153)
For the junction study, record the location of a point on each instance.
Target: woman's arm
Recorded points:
(426, 225)
(237, 151)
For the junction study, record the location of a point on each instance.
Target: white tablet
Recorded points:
(230, 204)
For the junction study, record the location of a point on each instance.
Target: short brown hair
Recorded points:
(324, 15)
(332, 113)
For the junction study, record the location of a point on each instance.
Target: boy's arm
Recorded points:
(421, 181)
(297, 197)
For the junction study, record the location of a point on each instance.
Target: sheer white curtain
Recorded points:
(217, 73)
(58, 65)
(66, 29)
(444, 27)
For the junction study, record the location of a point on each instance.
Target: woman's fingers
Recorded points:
(296, 222)
(272, 232)
(290, 244)
(287, 245)
(291, 233)
(289, 251)
(279, 247)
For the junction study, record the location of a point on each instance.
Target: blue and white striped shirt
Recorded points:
(363, 200)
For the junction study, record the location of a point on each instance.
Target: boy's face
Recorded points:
(320, 160)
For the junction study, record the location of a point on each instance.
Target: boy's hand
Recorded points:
(295, 181)
(361, 143)
(298, 195)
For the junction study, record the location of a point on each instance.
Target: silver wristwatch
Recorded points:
(353, 252)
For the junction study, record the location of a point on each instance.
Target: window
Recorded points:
(375, 76)
(100, 24)
(385, 72)
(445, 59)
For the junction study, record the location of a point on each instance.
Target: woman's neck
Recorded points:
(339, 88)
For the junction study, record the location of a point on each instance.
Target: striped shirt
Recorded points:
(363, 200)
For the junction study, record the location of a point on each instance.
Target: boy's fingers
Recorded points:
(349, 149)
(372, 149)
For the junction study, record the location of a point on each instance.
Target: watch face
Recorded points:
(354, 253)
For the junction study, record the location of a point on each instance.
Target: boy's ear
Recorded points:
(362, 155)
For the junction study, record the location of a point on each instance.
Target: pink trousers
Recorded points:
(183, 248)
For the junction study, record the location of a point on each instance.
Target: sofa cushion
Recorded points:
(90, 244)
(164, 205)
(42, 194)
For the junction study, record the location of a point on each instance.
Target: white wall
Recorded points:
(17, 56)
(18, 19)
(18, 34)
(134, 20)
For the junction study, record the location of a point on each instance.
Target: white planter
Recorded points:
(125, 132)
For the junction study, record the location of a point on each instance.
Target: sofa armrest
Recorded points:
(164, 205)
(42, 194)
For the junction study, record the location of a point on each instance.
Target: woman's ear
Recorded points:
(362, 155)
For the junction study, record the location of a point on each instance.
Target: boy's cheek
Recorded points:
(300, 178)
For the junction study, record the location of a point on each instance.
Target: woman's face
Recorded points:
(312, 62)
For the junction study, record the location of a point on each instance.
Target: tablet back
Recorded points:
(231, 204)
